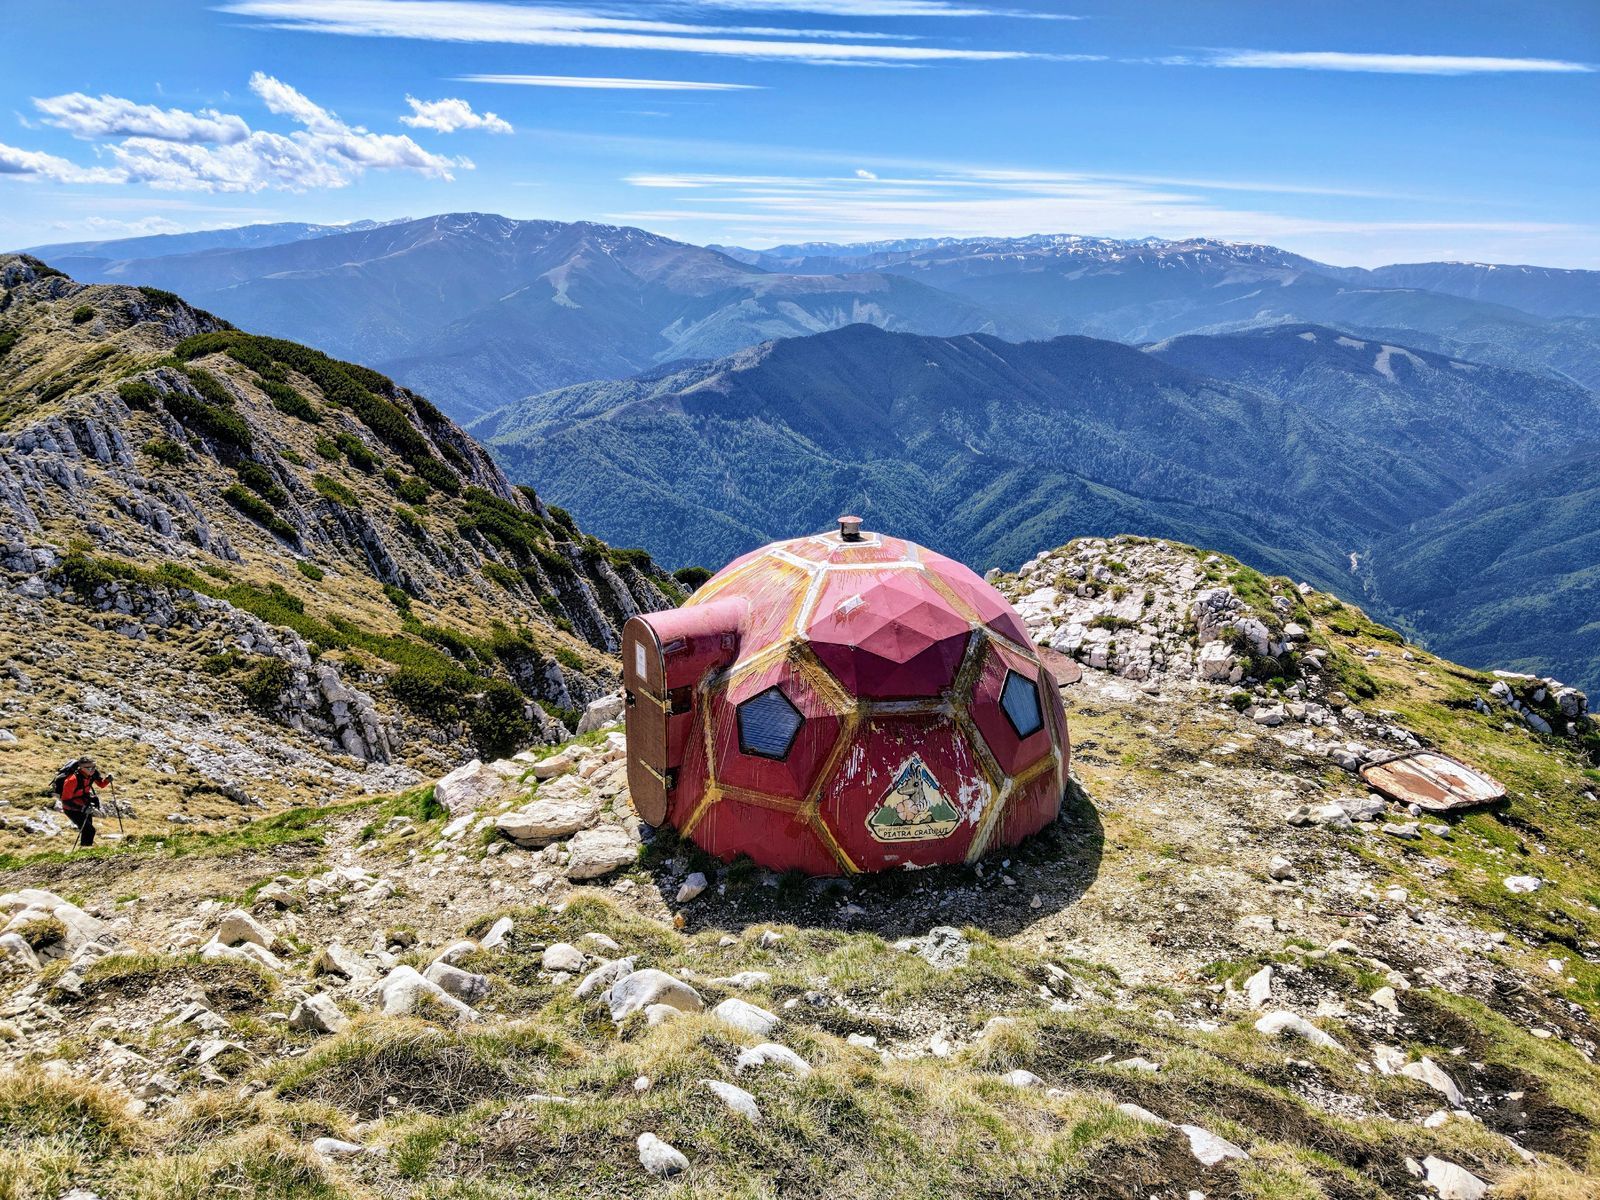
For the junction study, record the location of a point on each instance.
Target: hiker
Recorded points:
(77, 786)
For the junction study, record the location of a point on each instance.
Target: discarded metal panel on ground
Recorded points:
(1432, 781)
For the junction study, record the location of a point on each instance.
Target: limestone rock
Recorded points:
(596, 852)
(1287, 1024)
(318, 1014)
(469, 786)
(562, 956)
(1208, 1148)
(1258, 988)
(634, 992)
(741, 1014)
(603, 976)
(1453, 1182)
(736, 1098)
(335, 959)
(946, 946)
(403, 988)
(466, 986)
(1431, 1073)
(557, 812)
(602, 712)
(659, 1158)
(330, 1147)
(238, 926)
(771, 1054)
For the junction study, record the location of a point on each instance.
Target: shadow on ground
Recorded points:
(1055, 866)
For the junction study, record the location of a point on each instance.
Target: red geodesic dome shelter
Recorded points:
(844, 702)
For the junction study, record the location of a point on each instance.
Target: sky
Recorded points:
(1356, 133)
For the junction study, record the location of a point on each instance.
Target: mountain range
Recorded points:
(480, 310)
(696, 400)
(1301, 446)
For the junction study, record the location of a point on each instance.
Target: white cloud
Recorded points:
(513, 24)
(111, 116)
(608, 83)
(35, 164)
(285, 101)
(205, 152)
(1385, 64)
(862, 173)
(448, 116)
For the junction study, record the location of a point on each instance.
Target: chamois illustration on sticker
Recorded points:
(914, 808)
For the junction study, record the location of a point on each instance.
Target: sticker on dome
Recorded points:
(914, 808)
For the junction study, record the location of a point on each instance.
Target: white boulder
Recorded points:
(469, 786)
(634, 992)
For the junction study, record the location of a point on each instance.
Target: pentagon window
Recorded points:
(1020, 698)
(768, 723)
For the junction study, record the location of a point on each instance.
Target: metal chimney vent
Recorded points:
(850, 529)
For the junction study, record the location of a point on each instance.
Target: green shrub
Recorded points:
(263, 483)
(252, 506)
(691, 577)
(138, 393)
(518, 532)
(631, 557)
(309, 569)
(83, 314)
(413, 491)
(264, 686)
(8, 339)
(503, 575)
(397, 596)
(436, 473)
(212, 415)
(356, 451)
(166, 450)
(332, 489)
(326, 448)
(286, 400)
(1107, 621)
(221, 664)
(161, 297)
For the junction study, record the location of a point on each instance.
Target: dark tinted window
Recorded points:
(768, 724)
(1020, 698)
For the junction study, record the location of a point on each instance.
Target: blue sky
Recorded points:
(1357, 133)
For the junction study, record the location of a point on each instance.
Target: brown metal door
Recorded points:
(644, 683)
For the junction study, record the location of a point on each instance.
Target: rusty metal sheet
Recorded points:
(1063, 668)
(1432, 781)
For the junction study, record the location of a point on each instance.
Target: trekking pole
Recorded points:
(116, 807)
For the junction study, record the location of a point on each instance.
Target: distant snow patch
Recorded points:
(1308, 336)
(1351, 342)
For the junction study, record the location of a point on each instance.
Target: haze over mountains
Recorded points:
(972, 392)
